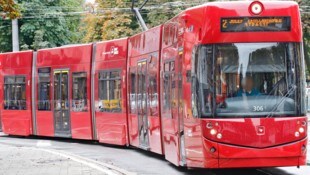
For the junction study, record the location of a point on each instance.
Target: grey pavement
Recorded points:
(33, 161)
(133, 160)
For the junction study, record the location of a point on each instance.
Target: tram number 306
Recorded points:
(258, 108)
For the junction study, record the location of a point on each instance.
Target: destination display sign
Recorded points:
(255, 24)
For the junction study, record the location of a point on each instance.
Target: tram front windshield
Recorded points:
(251, 79)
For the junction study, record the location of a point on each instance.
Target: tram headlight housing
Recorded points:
(209, 125)
(256, 8)
(301, 130)
(213, 131)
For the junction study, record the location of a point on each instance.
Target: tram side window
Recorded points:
(132, 90)
(79, 91)
(14, 93)
(44, 103)
(153, 96)
(110, 91)
(169, 84)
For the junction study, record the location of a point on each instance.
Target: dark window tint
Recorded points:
(44, 100)
(132, 90)
(15, 93)
(152, 88)
(169, 85)
(79, 91)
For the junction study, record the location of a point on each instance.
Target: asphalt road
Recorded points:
(135, 160)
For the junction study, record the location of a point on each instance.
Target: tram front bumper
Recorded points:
(219, 155)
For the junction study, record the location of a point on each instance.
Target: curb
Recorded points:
(90, 162)
(103, 167)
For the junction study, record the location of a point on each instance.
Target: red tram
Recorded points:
(61, 103)
(220, 85)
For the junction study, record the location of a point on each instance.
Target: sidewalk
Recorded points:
(34, 161)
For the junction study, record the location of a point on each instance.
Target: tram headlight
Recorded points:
(213, 131)
(219, 135)
(297, 134)
(301, 130)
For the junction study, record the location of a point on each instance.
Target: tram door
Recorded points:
(142, 105)
(172, 111)
(61, 103)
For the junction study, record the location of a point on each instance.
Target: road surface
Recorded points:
(128, 159)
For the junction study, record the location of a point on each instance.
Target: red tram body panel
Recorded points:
(144, 119)
(110, 68)
(221, 85)
(172, 91)
(63, 78)
(16, 93)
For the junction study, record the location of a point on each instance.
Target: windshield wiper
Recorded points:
(288, 93)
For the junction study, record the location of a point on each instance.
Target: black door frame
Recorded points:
(60, 107)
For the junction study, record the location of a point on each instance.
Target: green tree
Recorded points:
(305, 18)
(73, 21)
(5, 36)
(50, 18)
(44, 23)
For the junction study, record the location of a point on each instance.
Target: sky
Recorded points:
(92, 1)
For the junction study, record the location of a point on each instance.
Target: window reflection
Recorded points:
(44, 103)
(61, 97)
(132, 90)
(251, 79)
(15, 93)
(110, 91)
(170, 93)
(79, 91)
(152, 88)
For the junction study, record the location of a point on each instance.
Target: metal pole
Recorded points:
(143, 25)
(136, 11)
(15, 35)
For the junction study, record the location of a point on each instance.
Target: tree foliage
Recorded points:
(166, 10)
(47, 21)
(8, 8)
(44, 23)
(305, 19)
(111, 19)
(5, 36)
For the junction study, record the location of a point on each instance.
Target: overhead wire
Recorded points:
(126, 11)
(150, 6)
